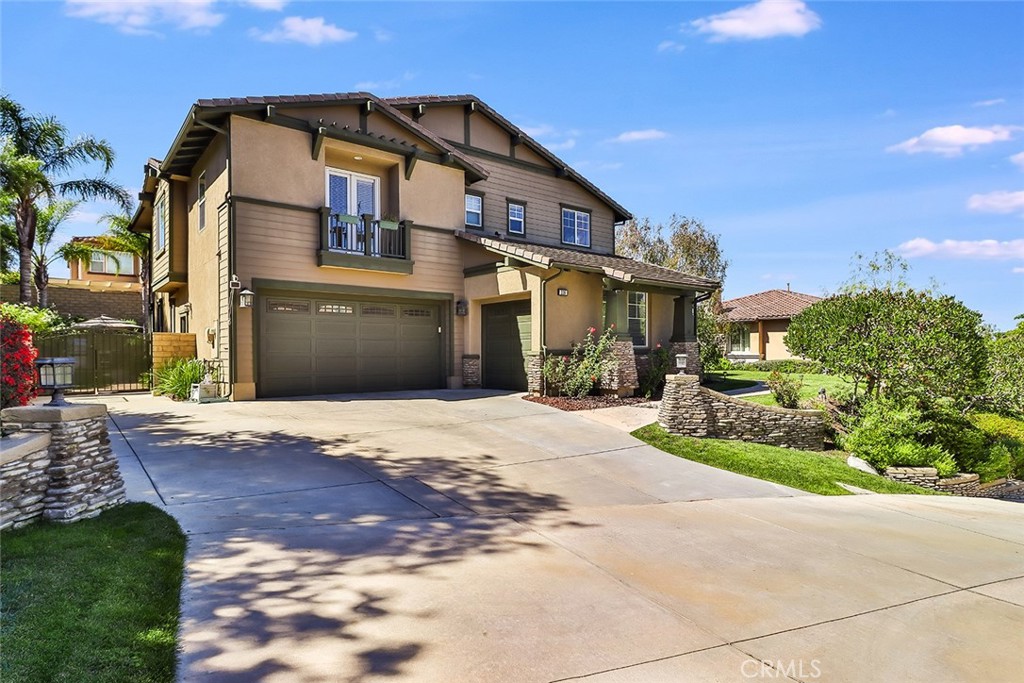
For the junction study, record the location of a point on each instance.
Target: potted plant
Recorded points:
(388, 222)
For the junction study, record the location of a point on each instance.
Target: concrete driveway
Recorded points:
(468, 536)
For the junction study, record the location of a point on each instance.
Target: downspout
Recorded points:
(544, 317)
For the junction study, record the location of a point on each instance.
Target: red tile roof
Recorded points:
(775, 304)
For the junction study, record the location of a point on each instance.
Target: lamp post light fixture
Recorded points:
(246, 297)
(56, 374)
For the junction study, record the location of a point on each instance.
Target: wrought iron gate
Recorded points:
(105, 360)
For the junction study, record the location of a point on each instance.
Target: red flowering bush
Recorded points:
(577, 374)
(18, 382)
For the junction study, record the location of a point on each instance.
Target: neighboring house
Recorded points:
(758, 323)
(113, 267)
(406, 243)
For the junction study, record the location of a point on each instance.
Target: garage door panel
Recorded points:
(507, 329)
(324, 345)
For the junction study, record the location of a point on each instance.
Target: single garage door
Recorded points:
(327, 346)
(507, 332)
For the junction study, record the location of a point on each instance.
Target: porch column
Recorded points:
(621, 378)
(616, 313)
(684, 335)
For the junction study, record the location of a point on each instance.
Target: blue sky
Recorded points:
(802, 133)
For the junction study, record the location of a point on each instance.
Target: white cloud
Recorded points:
(391, 84)
(561, 146)
(1019, 269)
(538, 131)
(762, 19)
(963, 249)
(670, 46)
(640, 135)
(1000, 201)
(887, 114)
(950, 141)
(383, 36)
(989, 103)
(312, 31)
(1018, 159)
(137, 17)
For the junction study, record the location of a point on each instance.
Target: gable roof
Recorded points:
(774, 304)
(615, 267)
(196, 131)
(410, 102)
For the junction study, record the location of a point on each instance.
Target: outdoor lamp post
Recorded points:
(246, 297)
(56, 374)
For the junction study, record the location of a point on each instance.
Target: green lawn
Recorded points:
(814, 472)
(97, 600)
(812, 383)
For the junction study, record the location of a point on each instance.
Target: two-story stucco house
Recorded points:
(406, 243)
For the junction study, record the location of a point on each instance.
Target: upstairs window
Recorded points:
(160, 225)
(636, 316)
(352, 194)
(114, 263)
(202, 201)
(516, 218)
(474, 211)
(575, 227)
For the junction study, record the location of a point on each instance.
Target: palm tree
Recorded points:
(120, 239)
(37, 156)
(48, 219)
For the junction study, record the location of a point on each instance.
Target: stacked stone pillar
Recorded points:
(83, 477)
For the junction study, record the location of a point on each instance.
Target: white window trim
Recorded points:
(736, 338)
(160, 209)
(576, 229)
(201, 203)
(646, 319)
(481, 212)
(522, 230)
(126, 269)
(352, 175)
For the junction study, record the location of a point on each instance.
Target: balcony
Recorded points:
(364, 242)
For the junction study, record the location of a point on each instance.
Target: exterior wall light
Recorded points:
(56, 374)
(461, 307)
(246, 298)
(563, 291)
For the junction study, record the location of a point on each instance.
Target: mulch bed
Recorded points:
(587, 402)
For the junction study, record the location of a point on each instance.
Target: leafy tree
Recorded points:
(48, 220)
(899, 342)
(686, 245)
(1006, 370)
(36, 159)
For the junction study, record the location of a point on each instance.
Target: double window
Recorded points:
(350, 196)
(575, 227)
(636, 316)
(114, 263)
(739, 338)
(474, 211)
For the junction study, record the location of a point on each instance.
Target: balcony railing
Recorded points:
(348, 241)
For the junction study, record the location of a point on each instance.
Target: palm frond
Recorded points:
(95, 188)
(82, 150)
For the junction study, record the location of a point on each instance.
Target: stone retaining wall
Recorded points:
(23, 471)
(82, 476)
(960, 485)
(692, 410)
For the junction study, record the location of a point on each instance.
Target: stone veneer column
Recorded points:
(621, 377)
(692, 351)
(535, 373)
(83, 475)
(24, 461)
(471, 370)
(683, 409)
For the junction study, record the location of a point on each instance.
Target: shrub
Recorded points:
(1007, 433)
(654, 377)
(18, 384)
(576, 374)
(176, 377)
(785, 389)
(38, 320)
(11, 277)
(790, 365)
(890, 435)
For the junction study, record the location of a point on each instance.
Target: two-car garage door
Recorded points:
(322, 345)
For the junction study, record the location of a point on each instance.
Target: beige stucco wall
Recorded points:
(568, 317)
(507, 284)
(445, 122)
(486, 134)
(775, 334)
(660, 312)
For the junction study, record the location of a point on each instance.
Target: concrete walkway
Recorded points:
(466, 536)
